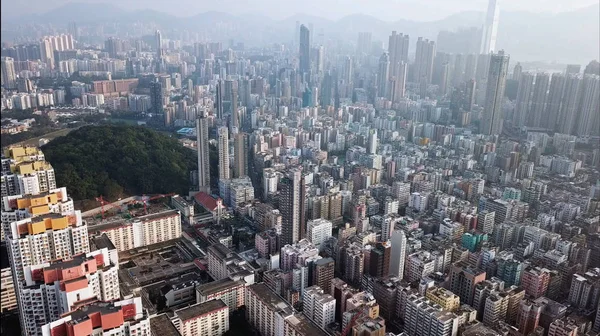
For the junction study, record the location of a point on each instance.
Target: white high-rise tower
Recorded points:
(490, 28)
(398, 253)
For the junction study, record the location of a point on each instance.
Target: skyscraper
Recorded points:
(398, 255)
(223, 147)
(496, 82)
(219, 99)
(156, 97)
(383, 75)
(240, 147)
(570, 104)
(231, 95)
(555, 96)
(398, 81)
(364, 43)
(589, 117)
(373, 141)
(537, 109)
(9, 78)
(523, 99)
(203, 154)
(490, 28)
(291, 206)
(304, 53)
(159, 46)
(424, 60)
(398, 50)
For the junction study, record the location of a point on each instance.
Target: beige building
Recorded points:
(210, 318)
(143, 230)
(443, 297)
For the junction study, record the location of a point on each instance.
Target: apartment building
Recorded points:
(210, 318)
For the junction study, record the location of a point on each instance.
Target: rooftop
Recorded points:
(218, 286)
(161, 325)
(200, 309)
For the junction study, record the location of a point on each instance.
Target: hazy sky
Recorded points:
(390, 10)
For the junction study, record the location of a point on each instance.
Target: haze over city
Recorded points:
(300, 168)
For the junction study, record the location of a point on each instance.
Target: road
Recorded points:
(49, 136)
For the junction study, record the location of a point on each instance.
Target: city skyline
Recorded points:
(407, 9)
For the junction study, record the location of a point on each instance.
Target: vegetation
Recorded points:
(42, 125)
(114, 160)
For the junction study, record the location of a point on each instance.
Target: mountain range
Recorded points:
(568, 37)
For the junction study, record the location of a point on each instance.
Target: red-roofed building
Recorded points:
(125, 317)
(211, 204)
(54, 289)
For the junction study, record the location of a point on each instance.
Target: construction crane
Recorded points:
(146, 199)
(352, 321)
(104, 202)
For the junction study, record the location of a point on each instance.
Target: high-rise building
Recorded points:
(398, 81)
(318, 306)
(291, 205)
(528, 316)
(240, 155)
(522, 104)
(570, 104)
(494, 96)
(7, 291)
(379, 260)
(423, 317)
(490, 28)
(156, 97)
(373, 141)
(535, 281)
(555, 96)
(318, 230)
(203, 154)
(126, 317)
(424, 56)
(304, 53)
(219, 99)
(589, 118)
(323, 272)
(463, 280)
(9, 77)
(231, 95)
(207, 318)
(539, 97)
(383, 75)
(398, 50)
(159, 44)
(398, 254)
(223, 148)
(364, 44)
(563, 327)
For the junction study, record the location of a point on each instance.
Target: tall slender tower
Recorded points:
(9, 78)
(304, 53)
(398, 255)
(291, 205)
(159, 46)
(383, 75)
(523, 99)
(589, 117)
(496, 82)
(424, 57)
(203, 154)
(538, 100)
(398, 81)
(223, 134)
(398, 50)
(570, 104)
(490, 28)
(555, 96)
(240, 147)
(219, 100)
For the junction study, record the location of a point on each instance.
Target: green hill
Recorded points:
(117, 160)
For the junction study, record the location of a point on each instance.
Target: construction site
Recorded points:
(126, 209)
